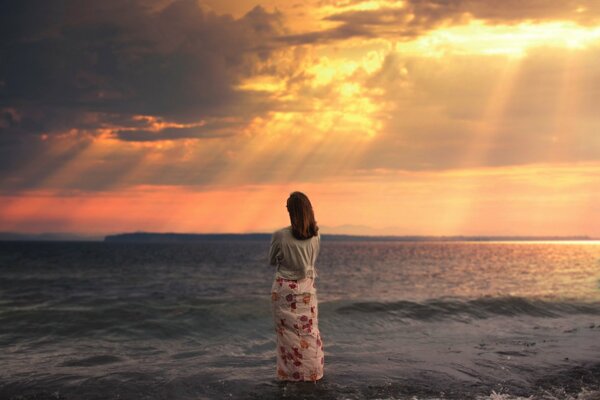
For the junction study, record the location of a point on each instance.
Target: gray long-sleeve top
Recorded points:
(295, 259)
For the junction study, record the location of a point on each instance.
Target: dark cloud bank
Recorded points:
(120, 58)
(85, 65)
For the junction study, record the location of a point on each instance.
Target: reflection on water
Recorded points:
(419, 271)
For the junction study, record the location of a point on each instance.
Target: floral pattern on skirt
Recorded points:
(299, 345)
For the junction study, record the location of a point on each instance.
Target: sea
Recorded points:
(399, 320)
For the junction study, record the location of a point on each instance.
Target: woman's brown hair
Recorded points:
(302, 216)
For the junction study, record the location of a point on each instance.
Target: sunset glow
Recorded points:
(395, 117)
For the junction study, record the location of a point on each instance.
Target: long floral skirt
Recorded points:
(299, 346)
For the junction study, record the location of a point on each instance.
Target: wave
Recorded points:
(556, 394)
(481, 308)
(563, 384)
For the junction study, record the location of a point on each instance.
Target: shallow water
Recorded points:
(399, 320)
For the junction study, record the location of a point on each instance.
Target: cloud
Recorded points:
(342, 32)
(77, 70)
(169, 134)
(63, 59)
(414, 18)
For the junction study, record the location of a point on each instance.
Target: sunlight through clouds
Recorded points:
(510, 40)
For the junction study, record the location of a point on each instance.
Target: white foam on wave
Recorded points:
(558, 394)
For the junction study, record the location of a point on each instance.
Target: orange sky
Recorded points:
(394, 117)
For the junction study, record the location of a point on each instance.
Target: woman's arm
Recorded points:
(275, 250)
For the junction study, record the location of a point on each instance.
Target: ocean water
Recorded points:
(399, 320)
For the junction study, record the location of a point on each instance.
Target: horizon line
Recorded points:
(122, 236)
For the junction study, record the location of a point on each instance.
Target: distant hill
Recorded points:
(191, 237)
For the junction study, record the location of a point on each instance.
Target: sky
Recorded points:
(415, 117)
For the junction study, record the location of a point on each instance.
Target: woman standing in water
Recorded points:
(294, 250)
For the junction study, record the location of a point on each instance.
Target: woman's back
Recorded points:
(294, 258)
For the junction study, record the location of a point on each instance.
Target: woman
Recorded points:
(294, 250)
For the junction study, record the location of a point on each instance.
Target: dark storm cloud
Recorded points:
(115, 59)
(80, 66)
(172, 133)
(342, 32)
(417, 17)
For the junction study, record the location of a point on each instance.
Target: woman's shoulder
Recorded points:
(287, 235)
(283, 232)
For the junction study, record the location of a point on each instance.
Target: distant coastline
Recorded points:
(49, 237)
(191, 237)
